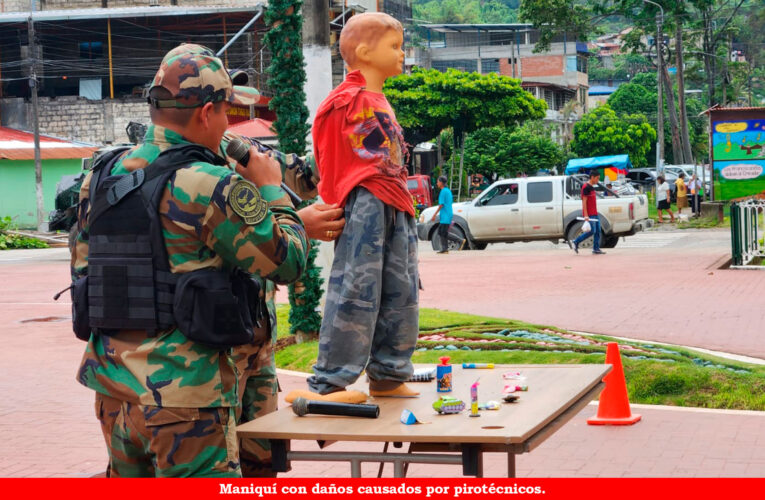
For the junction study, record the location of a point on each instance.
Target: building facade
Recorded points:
(94, 59)
(558, 76)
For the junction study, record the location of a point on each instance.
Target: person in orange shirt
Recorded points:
(682, 193)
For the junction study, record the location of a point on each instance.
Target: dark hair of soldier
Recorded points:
(179, 117)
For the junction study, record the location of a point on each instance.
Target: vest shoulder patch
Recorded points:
(246, 202)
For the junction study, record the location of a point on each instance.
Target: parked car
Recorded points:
(422, 191)
(645, 179)
(536, 208)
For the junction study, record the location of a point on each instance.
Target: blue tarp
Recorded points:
(601, 90)
(586, 164)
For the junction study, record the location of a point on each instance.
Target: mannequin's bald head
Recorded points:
(366, 28)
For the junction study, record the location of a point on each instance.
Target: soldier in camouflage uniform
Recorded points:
(168, 405)
(256, 367)
(258, 385)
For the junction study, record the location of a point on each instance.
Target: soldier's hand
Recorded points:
(322, 222)
(262, 170)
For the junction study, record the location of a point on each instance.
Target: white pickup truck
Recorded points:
(536, 208)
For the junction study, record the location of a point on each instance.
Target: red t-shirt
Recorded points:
(357, 142)
(588, 194)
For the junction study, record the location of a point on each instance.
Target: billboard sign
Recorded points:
(738, 152)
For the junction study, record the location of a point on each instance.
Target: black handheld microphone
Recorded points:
(240, 151)
(302, 406)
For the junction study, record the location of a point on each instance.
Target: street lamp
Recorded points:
(659, 102)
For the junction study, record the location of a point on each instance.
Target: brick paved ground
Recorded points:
(672, 294)
(47, 425)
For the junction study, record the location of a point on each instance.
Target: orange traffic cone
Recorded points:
(614, 405)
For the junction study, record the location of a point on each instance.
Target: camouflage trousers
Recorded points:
(153, 441)
(258, 389)
(371, 317)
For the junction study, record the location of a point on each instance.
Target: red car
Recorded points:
(421, 190)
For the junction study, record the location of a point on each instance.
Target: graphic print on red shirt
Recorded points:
(357, 142)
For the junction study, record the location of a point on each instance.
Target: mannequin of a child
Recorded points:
(379, 61)
(377, 58)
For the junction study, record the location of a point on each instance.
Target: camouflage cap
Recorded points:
(194, 76)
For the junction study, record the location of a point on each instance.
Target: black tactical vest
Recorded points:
(129, 285)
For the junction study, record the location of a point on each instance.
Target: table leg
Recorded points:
(472, 460)
(355, 468)
(398, 469)
(510, 464)
(279, 450)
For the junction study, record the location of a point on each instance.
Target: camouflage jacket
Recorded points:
(297, 178)
(201, 231)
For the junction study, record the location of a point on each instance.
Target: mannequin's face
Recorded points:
(387, 56)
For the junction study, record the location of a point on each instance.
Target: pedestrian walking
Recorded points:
(590, 214)
(663, 199)
(445, 214)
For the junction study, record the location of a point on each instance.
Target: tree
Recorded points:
(625, 66)
(428, 101)
(601, 132)
(633, 98)
(552, 17)
(287, 71)
(501, 152)
(647, 80)
(465, 11)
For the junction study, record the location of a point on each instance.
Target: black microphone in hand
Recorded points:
(302, 406)
(240, 151)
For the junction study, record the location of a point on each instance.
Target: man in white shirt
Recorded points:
(695, 188)
(662, 199)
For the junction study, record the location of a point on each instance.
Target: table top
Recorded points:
(552, 389)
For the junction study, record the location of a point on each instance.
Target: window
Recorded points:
(500, 38)
(571, 63)
(539, 192)
(489, 66)
(91, 50)
(470, 65)
(506, 194)
(581, 64)
(549, 98)
(412, 184)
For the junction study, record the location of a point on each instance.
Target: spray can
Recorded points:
(474, 400)
(444, 375)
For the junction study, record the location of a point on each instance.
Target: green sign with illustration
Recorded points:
(739, 158)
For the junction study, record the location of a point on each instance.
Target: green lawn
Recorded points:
(739, 188)
(655, 374)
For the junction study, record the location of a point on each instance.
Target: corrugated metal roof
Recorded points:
(601, 90)
(256, 127)
(20, 145)
(476, 27)
(717, 107)
(529, 84)
(122, 12)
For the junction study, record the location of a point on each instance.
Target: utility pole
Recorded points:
(317, 53)
(41, 226)
(250, 70)
(659, 100)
